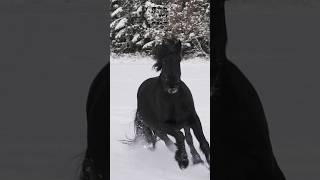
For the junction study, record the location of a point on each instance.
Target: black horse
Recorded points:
(95, 163)
(242, 147)
(165, 106)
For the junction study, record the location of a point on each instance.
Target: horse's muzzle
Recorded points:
(172, 90)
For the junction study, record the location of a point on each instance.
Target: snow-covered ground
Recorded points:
(138, 163)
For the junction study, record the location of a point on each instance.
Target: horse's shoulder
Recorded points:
(147, 84)
(187, 94)
(185, 87)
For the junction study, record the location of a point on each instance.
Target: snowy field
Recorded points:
(138, 163)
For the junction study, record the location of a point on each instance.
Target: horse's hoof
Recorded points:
(196, 159)
(182, 159)
(183, 164)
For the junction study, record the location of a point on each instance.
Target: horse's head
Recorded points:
(168, 57)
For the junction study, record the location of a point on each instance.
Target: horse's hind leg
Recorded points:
(196, 159)
(142, 132)
(150, 138)
(170, 145)
(139, 126)
(198, 132)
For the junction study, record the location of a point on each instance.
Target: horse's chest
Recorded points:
(174, 113)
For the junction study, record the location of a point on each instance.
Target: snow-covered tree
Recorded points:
(137, 25)
(127, 26)
(190, 20)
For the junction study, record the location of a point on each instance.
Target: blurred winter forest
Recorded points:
(138, 25)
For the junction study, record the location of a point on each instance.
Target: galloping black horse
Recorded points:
(95, 163)
(242, 148)
(165, 106)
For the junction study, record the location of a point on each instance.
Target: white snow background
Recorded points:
(138, 163)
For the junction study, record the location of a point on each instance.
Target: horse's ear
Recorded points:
(156, 51)
(183, 51)
(165, 42)
(179, 48)
(178, 45)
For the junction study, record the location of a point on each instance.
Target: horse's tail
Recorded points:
(138, 125)
(142, 134)
(138, 131)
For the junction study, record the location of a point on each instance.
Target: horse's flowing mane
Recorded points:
(165, 48)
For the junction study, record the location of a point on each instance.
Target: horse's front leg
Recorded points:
(196, 159)
(181, 154)
(198, 132)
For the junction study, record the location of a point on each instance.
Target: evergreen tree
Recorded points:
(190, 20)
(128, 25)
(138, 25)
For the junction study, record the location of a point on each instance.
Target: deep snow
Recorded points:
(127, 73)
